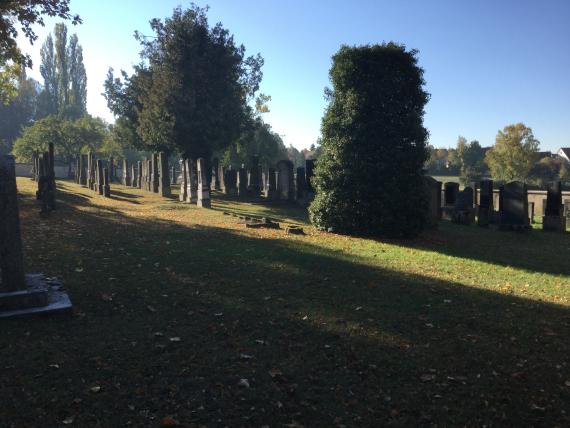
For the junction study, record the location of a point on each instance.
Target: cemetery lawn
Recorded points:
(183, 316)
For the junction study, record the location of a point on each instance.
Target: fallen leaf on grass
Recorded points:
(95, 389)
(175, 339)
(243, 383)
(68, 421)
(169, 421)
(427, 377)
(275, 372)
(151, 308)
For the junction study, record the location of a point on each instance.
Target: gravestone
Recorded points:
(183, 181)
(133, 175)
(531, 212)
(485, 209)
(155, 179)
(192, 181)
(203, 188)
(126, 173)
(553, 219)
(216, 185)
(20, 294)
(100, 180)
(164, 178)
(433, 190)
(253, 178)
(513, 206)
(83, 170)
(173, 175)
(112, 169)
(463, 212)
(567, 213)
(285, 180)
(301, 186)
(139, 174)
(230, 182)
(271, 184)
(450, 191)
(242, 182)
(106, 185)
(222, 178)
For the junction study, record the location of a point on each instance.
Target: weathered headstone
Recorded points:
(230, 182)
(216, 185)
(285, 180)
(242, 182)
(90, 170)
(450, 191)
(301, 186)
(485, 209)
(253, 179)
(192, 181)
(106, 185)
(20, 294)
(553, 219)
(133, 175)
(112, 174)
(463, 211)
(100, 179)
(183, 181)
(271, 184)
(513, 206)
(154, 173)
(164, 178)
(139, 174)
(83, 159)
(433, 190)
(126, 173)
(203, 188)
(173, 175)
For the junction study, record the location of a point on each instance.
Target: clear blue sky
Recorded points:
(487, 63)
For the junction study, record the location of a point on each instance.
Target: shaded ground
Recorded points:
(184, 315)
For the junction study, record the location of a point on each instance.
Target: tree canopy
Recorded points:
(471, 157)
(369, 177)
(190, 93)
(513, 154)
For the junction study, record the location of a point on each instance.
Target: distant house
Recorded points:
(542, 155)
(564, 153)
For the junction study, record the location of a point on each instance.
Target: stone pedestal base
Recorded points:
(40, 297)
(447, 213)
(484, 217)
(553, 223)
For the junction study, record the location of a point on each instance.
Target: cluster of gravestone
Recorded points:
(279, 183)
(514, 211)
(43, 173)
(151, 174)
(95, 173)
(21, 294)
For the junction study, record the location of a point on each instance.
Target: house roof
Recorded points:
(566, 151)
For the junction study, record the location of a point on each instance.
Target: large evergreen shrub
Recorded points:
(369, 178)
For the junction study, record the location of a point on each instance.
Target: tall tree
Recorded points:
(471, 159)
(369, 178)
(27, 14)
(191, 93)
(65, 79)
(513, 154)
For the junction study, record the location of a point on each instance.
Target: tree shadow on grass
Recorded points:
(171, 319)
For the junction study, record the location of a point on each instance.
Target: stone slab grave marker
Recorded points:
(100, 178)
(433, 190)
(155, 179)
(106, 185)
(230, 182)
(463, 211)
(485, 208)
(191, 181)
(133, 175)
(242, 182)
(253, 178)
(183, 181)
(271, 185)
(83, 170)
(285, 180)
(163, 173)
(513, 206)
(126, 173)
(553, 219)
(20, 294)
(203, 188)
(139, 174)
(309, 174)
(450, 191)
(173, 175)
(301, 186)
(112, 173)
(216, 179)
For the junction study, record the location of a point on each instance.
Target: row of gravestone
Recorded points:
(279, 183)
(43, 173)
(94, 173)
(151, 174)
(514, 212)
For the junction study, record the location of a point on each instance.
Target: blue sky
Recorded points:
(487, 63)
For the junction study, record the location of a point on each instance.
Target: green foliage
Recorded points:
(295, 156)
(65, 79)
(27, 13)
(19, 112)
(191, 93)
(546, 170)
(471, 158)
(8, 82)
(70, 138)
(369, 178)
(513, 154)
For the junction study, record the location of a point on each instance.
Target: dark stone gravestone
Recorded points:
(216, 174)
(513, 206)
(155, 178)
(126, 173)
(301, 186)
(112, 174)
(450, 191)
(139, 174)
(173, 175)
(254, 178)
(285, 180)
(83, 159)
(164, 178)
(309, 173)
(553, 219)
(133, 175)
(192, 181)
(463, 212)
(99, 176)
(183, 182)
(230, 182)
(271, 184)
(485, 209)
(106, 185)
(20, 294)
(433, 191)
(242, 182)
(203, 188)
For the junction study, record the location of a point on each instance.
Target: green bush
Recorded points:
(369, 177)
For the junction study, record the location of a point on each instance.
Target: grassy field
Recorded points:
(183, 316)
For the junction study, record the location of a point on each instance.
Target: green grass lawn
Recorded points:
(184, 315)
